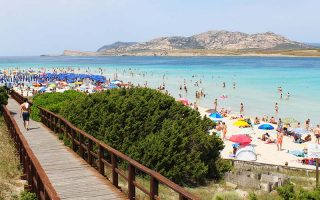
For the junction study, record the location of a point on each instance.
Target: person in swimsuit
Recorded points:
(241, 109)
(25, 113)
(224, 130)
(215, 104)
(317, 133)
(279, 140)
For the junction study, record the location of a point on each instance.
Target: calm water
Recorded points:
(256, 79)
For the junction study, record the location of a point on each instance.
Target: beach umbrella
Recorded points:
(241, 139)
(112, 86)
(115, 82)
(78, 83)
(241, 123)
(52, 85)
(300, 131)
(36, 84)
(98, 88)
(184, 101)
(215, 115)
(266, 127)
(43, 89)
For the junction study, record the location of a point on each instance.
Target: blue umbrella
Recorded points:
(215, 115)
(42, 89)
(111, 86)
(266, 127)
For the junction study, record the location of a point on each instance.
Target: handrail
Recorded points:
(83, 143)
(38, 181)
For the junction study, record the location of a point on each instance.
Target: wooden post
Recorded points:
(100, 157)
(81, 150)
(317, 172)
(181, 197)
(131, 179)
(90, 147)
(154, 188)
(73, 134)
(114, 164)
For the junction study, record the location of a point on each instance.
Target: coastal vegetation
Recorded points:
(148, 126)
(3, 97)
(9, 166)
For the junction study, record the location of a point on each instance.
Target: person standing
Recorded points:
(317, 133)
(215, 104)
(279, 140)
(25, 113)
(276, 108)
(307, 124)
(224, 130)
(241, 109)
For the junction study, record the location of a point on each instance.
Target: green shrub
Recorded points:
(252, 196)
(25, 195)
(286, 191)
(52, 101)
(151, 128)
(3, 97)
(289, 192)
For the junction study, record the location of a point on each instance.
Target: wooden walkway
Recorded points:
(71, 176)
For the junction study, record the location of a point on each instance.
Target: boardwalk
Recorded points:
(71, 177)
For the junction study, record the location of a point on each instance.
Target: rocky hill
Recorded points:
(211, 40)
(116, 45)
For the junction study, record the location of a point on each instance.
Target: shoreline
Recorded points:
(313, 53)
(266, 153)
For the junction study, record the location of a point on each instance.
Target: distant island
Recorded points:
(211, 43)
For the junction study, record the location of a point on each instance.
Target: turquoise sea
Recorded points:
(256, 78)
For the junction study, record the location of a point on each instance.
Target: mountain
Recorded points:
(211, 40)
(116, 45)
(314, 44)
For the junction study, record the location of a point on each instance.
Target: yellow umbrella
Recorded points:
(241, 123)
(78, 83)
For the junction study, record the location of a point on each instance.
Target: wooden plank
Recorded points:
(69, 174)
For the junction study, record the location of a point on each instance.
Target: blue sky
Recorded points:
(34, 27)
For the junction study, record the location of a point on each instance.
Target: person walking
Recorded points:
(276, 108)
(25, 113)
(215, 104)
(241, 109)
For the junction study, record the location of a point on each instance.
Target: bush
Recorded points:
(252, 196)
(52, 101)
(3, 97)
(151, 128)
(286, 191)
(25, 195)
(289, 192)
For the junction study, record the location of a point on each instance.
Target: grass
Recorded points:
(10, 170)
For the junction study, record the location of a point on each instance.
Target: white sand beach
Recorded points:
(266, 153)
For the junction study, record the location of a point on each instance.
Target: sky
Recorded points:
(35, 27)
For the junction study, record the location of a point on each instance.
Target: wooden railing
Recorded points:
(38, 181)
(101, 156)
